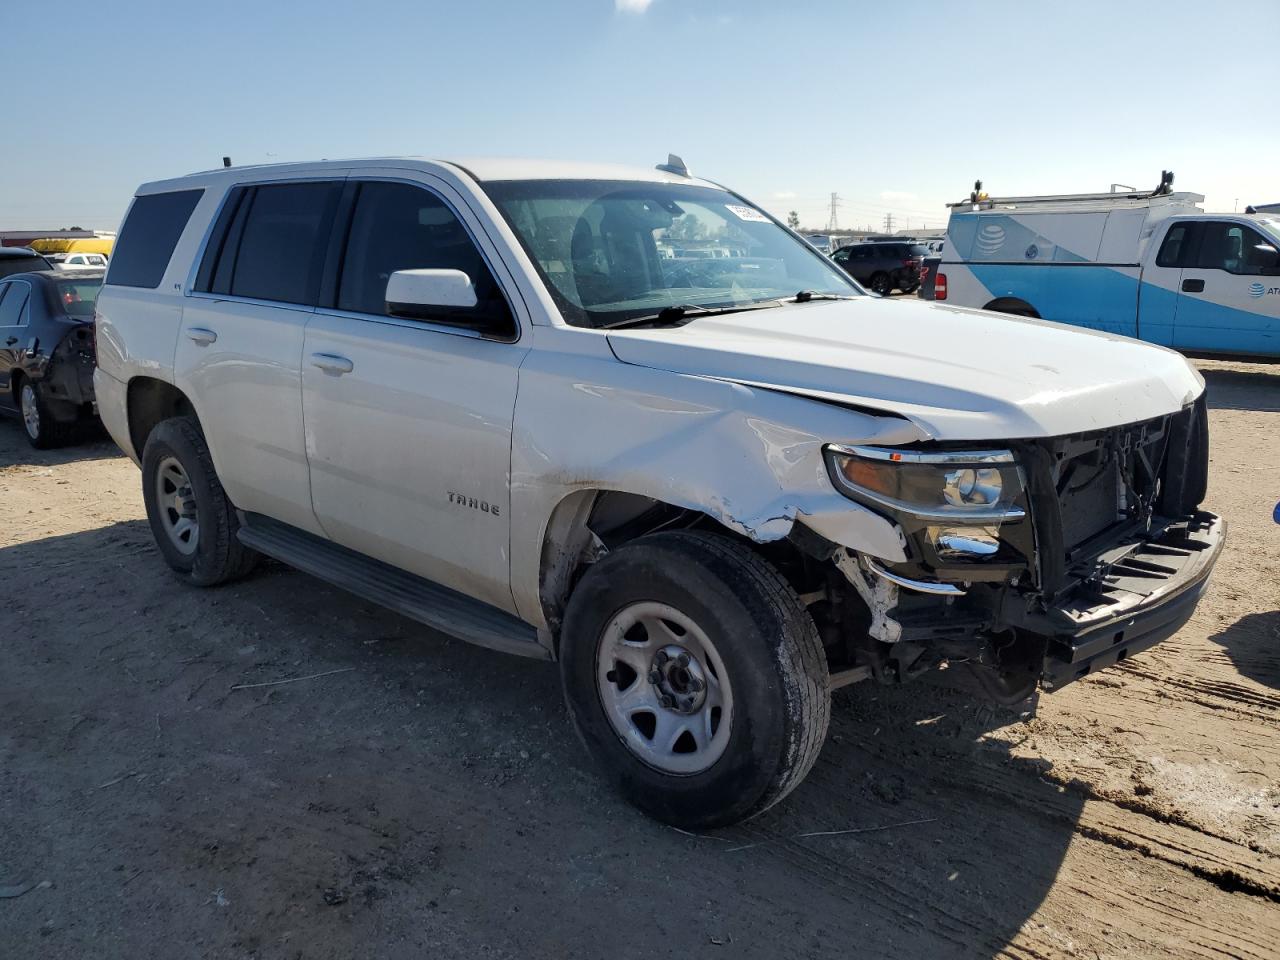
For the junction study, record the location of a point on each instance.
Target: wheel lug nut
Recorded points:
(695, 684)
(666, 701)
(683, 659)
(654, 676)
(662, 657)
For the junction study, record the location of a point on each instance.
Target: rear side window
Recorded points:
(149, 234)
(13, 305)
(270, 242)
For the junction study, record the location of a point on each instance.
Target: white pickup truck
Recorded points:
(1147, 265)
(624, 419)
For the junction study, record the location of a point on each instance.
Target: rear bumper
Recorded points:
(113, 410)
(1141, 595)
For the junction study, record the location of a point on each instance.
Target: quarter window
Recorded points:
(150, 232)
(398, 226)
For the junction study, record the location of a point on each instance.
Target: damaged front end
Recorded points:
(1035, 564)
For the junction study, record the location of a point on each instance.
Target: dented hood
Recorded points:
(958, 374)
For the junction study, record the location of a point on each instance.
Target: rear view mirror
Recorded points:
(430, 294)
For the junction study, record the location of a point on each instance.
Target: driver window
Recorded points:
(398, 226)
(1238, 249)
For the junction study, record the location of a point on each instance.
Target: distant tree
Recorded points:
(793, 220)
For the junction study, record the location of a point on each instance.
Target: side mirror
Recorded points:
(1268, 259)
(430, 294)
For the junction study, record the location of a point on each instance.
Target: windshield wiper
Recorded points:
(676, 315)
(804, 296)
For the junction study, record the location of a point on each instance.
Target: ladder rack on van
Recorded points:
(978, 200)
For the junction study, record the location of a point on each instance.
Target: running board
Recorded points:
(414, 597)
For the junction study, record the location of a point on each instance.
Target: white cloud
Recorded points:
(898, 196)
(632, 6)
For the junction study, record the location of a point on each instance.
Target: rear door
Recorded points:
(239, 352)
(1229, 296)
(15, 307)
(409, 421)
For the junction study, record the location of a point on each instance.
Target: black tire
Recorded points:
(881, 284)
(771, 653)
(48, 431)
(218, 555)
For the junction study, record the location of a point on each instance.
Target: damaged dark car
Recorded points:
(47, 352)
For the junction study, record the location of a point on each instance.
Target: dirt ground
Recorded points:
(424, 798)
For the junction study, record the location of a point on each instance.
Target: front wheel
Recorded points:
(695, 677)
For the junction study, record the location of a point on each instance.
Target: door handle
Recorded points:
(1193, 286)
(332, 363)
(11, 341)
(202, 336)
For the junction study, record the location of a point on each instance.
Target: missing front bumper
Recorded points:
(1137, 596)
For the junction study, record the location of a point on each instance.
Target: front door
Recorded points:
(1229, 295)
(408, 422)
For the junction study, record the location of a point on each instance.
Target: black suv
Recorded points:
(883, 266)
(21, 260)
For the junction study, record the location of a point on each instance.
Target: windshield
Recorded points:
(78, 296)
(614, 250)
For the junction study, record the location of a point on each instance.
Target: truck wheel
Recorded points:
(881, 284)
(43, 431)
(192, 520)
(695, 677)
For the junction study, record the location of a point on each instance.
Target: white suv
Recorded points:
(624, 419)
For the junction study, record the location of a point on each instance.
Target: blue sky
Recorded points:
(897, 106)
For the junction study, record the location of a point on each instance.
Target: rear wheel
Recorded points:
(43, 431)
(695, 677)
(881, 284)
(193, 522)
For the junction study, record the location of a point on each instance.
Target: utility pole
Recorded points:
(888, 223)
(833, 222)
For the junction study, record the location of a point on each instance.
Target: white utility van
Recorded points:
(1153, 266)
(712, 487)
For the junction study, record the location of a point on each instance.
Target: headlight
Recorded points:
(978, 486)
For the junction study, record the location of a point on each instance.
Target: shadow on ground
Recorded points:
(1256, 389)
(1253, 644)
(418, 796)
(90, 442)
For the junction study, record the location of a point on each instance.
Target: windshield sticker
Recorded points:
(750, 214)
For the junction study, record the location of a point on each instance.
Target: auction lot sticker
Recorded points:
(747, 213)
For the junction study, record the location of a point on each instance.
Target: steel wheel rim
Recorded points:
(176, 505)
(674, 716)
(30, 411)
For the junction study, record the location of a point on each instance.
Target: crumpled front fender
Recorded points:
(751, 458)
